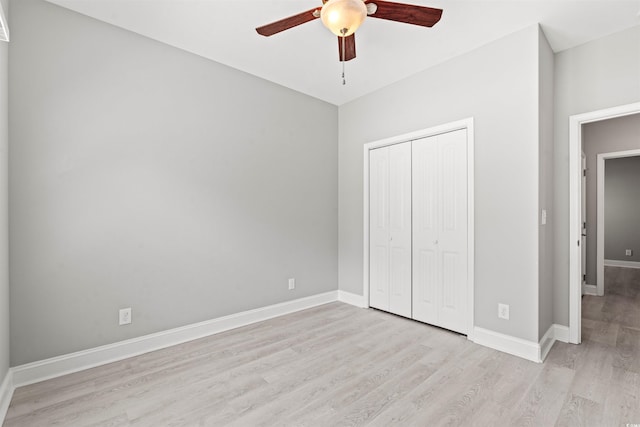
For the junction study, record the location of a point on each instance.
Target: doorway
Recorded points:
(575, 208)
(603, 160)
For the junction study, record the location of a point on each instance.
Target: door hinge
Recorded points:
(584, 277)
(584, 172)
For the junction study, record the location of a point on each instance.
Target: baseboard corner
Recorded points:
(6, 393)
(352, 299)
(561, 333)
(546, 342)
(507, 344)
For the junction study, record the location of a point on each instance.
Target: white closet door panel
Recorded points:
(418, 230)
(425, 286)
(425, 234)
(439, 167)
(452, 311)
(379, 277)
(400, 229)
(453, 230)
(379, 228)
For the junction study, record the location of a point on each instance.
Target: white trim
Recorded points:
(365, 222)
(618, 263)
(561, 333)
(529, 350)
(575, 195)
(471, 256)
(81, 360)
(4, 26)
(600, 225)
(467, 124)
(600, 261)
(546, 342)
(352, 299)
(589, 289)
(6, 393)
(553, 334)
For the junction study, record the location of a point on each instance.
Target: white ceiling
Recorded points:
(305, 58)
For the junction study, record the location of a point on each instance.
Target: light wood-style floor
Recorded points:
(337, 365)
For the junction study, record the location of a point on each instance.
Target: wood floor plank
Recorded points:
(439, 391)
(544, 400)
(578, 411)
(622, 406)
(593, 377)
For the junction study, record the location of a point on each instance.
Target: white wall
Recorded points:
(4, 176)
(545, 196)
(145, 176)
(498, 86)
(600, 74)
(619, 134)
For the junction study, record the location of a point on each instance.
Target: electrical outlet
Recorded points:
(125, 316)
(292, 284)
(628, 252)
(503, 311)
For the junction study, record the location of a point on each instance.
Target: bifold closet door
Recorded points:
(390, 229)
(439, 183)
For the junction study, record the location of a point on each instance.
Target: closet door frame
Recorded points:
(424, 133)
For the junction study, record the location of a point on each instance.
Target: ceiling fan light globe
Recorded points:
(343, 17)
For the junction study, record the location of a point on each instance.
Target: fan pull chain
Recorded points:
(343, 31)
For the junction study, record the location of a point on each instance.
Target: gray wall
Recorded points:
(4, 176)
(145, 176)
(600, 74)
(498, 86)
(619, 134)
(622, 204)
(545, 195)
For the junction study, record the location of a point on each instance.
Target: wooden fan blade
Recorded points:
(349, 47)
(290, 22)
(408, 13)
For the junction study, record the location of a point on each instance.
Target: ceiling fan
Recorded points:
(343, 17)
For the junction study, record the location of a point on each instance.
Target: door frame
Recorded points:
(407, 137)
(587, 289)
(600, 215)
(575, 201)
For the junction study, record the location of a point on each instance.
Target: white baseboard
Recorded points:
(617, 263)
(6, 392)
(546, 342)
(561, 333)
(589, 290)
(56, 366)
(553, 334)
(530, 350)
(353, 299)
(508, 344)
